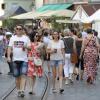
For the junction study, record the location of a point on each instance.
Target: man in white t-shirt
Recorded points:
(18, 46)
(46, 41)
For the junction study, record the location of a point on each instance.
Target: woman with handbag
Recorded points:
(90, 51)
(35, 62)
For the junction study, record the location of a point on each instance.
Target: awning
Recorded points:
(67, 21)
(54, 7)
(57, 13)
(28, 15)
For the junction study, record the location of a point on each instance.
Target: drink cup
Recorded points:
(55, 50)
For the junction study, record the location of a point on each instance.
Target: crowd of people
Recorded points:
(27, 49)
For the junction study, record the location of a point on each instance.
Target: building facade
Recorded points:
(25, 4)
(38, 3)
(67, 1)
(5, 5)
(1, 9)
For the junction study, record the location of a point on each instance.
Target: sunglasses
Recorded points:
(19, 29)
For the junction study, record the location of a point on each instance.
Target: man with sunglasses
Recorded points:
(18, 45)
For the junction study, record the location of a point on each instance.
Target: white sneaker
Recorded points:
(66, 82)
(22, 94)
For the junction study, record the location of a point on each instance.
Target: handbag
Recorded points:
(74, 58)
(37, 61)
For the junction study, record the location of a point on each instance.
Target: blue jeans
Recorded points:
(56, 63)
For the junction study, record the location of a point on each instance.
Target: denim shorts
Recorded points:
(19, 68)
(56, 63)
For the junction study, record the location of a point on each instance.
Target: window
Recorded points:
(3, 6)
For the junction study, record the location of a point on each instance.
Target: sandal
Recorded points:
(32, 93)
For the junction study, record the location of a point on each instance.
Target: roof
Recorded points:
(91, 8)
(19, 10)
(54, 7)
(79, 14)
(12, 12)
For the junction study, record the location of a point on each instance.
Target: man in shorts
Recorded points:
(18, 45)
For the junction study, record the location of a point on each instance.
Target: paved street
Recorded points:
(6, 84)
(36, 30)
(38, 89)
(4, 66)
(6, 81)
(78, 91)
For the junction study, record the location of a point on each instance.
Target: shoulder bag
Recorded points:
(37, 61)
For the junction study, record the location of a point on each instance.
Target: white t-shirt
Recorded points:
(56, 45)
(84, 34)
(17, 44)
(1, 37)
(46, 40)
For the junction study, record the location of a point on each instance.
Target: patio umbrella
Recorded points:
(28, 15)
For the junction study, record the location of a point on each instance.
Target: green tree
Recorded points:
(10, 23)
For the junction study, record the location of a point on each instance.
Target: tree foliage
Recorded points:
(10, 23)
